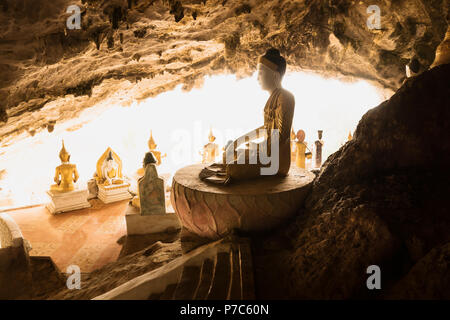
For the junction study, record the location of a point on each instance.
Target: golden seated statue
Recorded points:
(152, 147)
(157, 154)
(251, 162)
(210, 150)
(66, 174)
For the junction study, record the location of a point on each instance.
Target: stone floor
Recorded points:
(86, 238)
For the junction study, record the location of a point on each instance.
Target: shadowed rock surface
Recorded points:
(139, 49)
(380, 200)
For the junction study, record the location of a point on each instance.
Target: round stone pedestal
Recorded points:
(212, 211)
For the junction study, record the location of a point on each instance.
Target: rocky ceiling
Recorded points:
(134, 49)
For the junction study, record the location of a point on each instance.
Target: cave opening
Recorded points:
(180, 122)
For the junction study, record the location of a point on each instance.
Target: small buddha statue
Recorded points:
(251, 163)
(157, 154)
(66, 174)
(152, 147)
(109, 169)
(210, 150)
(301, 147)
(319, 145)
(350, 137)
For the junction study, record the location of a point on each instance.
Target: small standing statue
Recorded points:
(319, 145)
(152, 147)
(210, 150)
(350, 137)
(66, 174)
(301, 147)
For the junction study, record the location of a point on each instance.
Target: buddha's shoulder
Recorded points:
(65, 165)
(286, 96)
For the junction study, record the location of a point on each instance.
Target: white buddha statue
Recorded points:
(110, 171)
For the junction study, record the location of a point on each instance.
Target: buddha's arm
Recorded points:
(56, 178)
(75, 174)
(252, 135)
(283, 116)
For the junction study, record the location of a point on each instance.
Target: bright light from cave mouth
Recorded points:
(180, 122)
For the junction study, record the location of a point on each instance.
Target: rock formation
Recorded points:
(379, 200)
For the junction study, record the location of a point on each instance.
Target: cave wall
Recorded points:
(144, 47)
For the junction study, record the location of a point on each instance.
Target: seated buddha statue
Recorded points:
(109, 169)
(152, 147)
(157, 154)
(210, 150)
(66, 174)
(272, 156)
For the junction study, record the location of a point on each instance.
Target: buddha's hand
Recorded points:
(229, 152)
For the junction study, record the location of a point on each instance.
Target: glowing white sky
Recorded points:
(180, 122)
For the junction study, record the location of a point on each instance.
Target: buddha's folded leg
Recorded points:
(244, 171)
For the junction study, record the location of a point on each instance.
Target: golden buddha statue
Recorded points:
(252, 162)
(301, 154)
(293, 149)
(210, 150)
(350, 137)
(109, 169)
(152, 147)
(66, 174)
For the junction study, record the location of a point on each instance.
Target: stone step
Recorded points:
(188, 283)
(222, 277)
(225, 275)
(206, 277)
(236, 287)
(247, 280)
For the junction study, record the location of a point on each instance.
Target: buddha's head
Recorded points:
(272, 67)
(63, 154)
(211, 136)
(300, 135)
(110, 163)
(151, 142)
